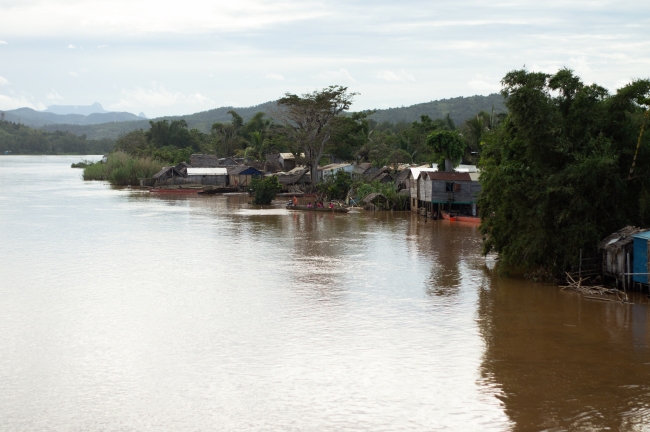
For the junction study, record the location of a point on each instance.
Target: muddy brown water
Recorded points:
(123, 310)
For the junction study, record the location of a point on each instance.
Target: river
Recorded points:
(124, 310)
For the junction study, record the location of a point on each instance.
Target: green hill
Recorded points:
(459, 109)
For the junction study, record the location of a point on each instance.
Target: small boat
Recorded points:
(318, 209)
(176, 190)
(219, 190)
(456, 217)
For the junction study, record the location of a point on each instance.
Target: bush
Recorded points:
(265, 190)
(83, 164)
(122, 169)
(336, 187)
(389, 190)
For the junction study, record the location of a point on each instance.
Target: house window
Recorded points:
(456, 187)
(449, 186)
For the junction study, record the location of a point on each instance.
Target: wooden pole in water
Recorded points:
(629, 270)
(580, 266)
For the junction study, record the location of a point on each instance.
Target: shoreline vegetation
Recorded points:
(121, 169)
(564, 167)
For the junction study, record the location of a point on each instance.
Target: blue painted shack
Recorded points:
(640, 257)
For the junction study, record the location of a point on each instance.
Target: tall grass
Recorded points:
(122, 169)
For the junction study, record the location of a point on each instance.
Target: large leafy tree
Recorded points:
(555, 173)
(448, 147)
(309, 120)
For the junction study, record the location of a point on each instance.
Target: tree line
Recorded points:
(20, 139)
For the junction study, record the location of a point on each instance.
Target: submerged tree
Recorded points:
(555, 173)
(265, 190)
(309, 120)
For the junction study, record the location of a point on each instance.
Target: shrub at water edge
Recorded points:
(265, 190)
(122, 169)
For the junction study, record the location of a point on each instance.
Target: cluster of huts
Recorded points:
(428, 189)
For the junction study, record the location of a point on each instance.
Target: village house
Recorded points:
(295, 180)
(437, 191)
(326, 171)
(208, 176)
(241, 176)
(618, 254)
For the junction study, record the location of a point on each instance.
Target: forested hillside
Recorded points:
(459, 110)
(21, 139)
(33, 118)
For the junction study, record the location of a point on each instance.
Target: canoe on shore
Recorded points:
(323, 209)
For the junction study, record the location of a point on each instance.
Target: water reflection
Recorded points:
(129, 310)
(564, 362)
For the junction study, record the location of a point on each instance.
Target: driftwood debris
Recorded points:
(595, 292)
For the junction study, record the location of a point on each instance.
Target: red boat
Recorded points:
(176, 190)
(459, 218)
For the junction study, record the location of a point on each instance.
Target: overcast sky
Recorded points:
(186, 56)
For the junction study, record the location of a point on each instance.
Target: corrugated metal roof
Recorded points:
(475, 176)
(453, 176)
(207, 171)
(287, 156)
(466, 168)
(643, 235)
(415, 171)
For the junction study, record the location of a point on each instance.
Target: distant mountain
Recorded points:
(459, 109)
(95, 108)
(33, 118)
(202, 121)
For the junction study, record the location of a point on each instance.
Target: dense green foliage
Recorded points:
(396, 200)
(168, 142)
(122, 169)
(265, 190)
(336, 186)
(21, 139)
(448, 147)
(555, 173)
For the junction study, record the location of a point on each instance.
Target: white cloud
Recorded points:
(74, 74)
(483, 84)
(3, 42)
(54, 95)
(156, 97)
(334, 77)
(102, 46)
(3, 81)
(93, 17)
(8, 102)
(276, 77)
(71, 46)
(400, 76)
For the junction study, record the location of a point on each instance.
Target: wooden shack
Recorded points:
(164, 177)
(295, 180)
(414, 184)
(208, 176)
(241, 176)
(451, 191)
(617, 249)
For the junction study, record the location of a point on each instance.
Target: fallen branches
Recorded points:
(592, 291)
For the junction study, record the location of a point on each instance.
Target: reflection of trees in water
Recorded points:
(563, 362)
(449, 247)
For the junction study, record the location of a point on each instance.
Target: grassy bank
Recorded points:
(122, 169)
